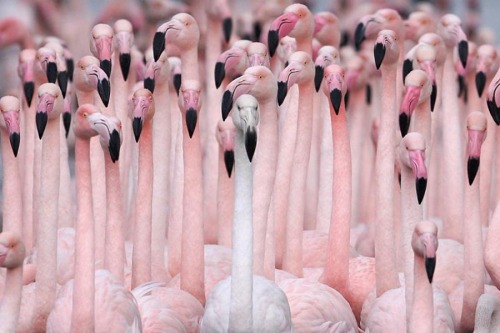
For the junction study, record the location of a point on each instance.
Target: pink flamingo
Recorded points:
(142, 115)
(49, 108)
(243, 301)
(453, 35)
(12, 254)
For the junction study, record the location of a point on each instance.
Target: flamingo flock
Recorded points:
(221, 166)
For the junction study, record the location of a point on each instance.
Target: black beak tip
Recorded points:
(15, 139)
(29, 90)
(404, 123)
(229, 161)
(41, 122)
(463, 52)
(480, 82)
(318, 77)
(106, 66)
(430, 266)
(379, 54)
(177, 83)
(137, 128)
(407, 68)
(368, 94)
(336, 99)
(433, 96)
(472, 168)
(494, 111)
(158, 44)
(227, 104)
(191, 119)
(125, 60)
(114, 146)
(227, 27)
(272, 41)
(219, 74)
(359, 36)
(104, 90)
(62, 80)
(149, 84)
(52, 72)
(250, 143)
(421, 186)
(66, 122)
(70, 65)
(282, 91)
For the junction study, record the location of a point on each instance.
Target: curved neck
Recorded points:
(193, 261)
(141, 257)
(11, 301)
(241, 313)
(83, 289)
(336, 273)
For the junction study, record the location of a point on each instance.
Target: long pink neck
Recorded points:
(141, 257)
(47, 226)
(12, 198)
(487, 158)
(422, 314)
(411, 214)
(208, 121)
(82, 316)
(453, 172)
(29, 174)
(11, 301)
(384, 169)
(176, 174)
(189, 64)
(264, 166)
(193, 261)
(225, 203)
(336, 272)
(422, 123)
(292, 259)
(473, 253)
(115, 246)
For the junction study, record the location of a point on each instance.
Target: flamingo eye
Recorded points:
(85, 114)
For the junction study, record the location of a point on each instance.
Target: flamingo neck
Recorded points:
(292, 259)
(47, 225)
(11, 301)
(384, 169)
(82, 316)
(193, 261)
(336, 273)
(225, 189)
(115, 251)
(141, 256)
(411, 214)
(241, 313)
(189, 64)
(473, 253)
(422, 313)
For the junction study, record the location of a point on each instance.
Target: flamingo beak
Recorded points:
(62, 81)
(480, 82)
(417, 161)
(250, 142)
(108, 133)
(191, 100)
(158, 44)
(70, 65)
(359, 35)
(229, 161)
(476, 139)
(51, 72)
(45, 106)
(279, 28)
(463, 51)
(379, 54)
(125, 60)
(407, 67)
(408, 106)
(318, 76)
(11, 119)
(227, 28)
(29, 90)
(220, 73)
(429, 241)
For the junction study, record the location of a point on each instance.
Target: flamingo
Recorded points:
(12, 254)
(487, 314)
(48, 117)
(245, 301)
